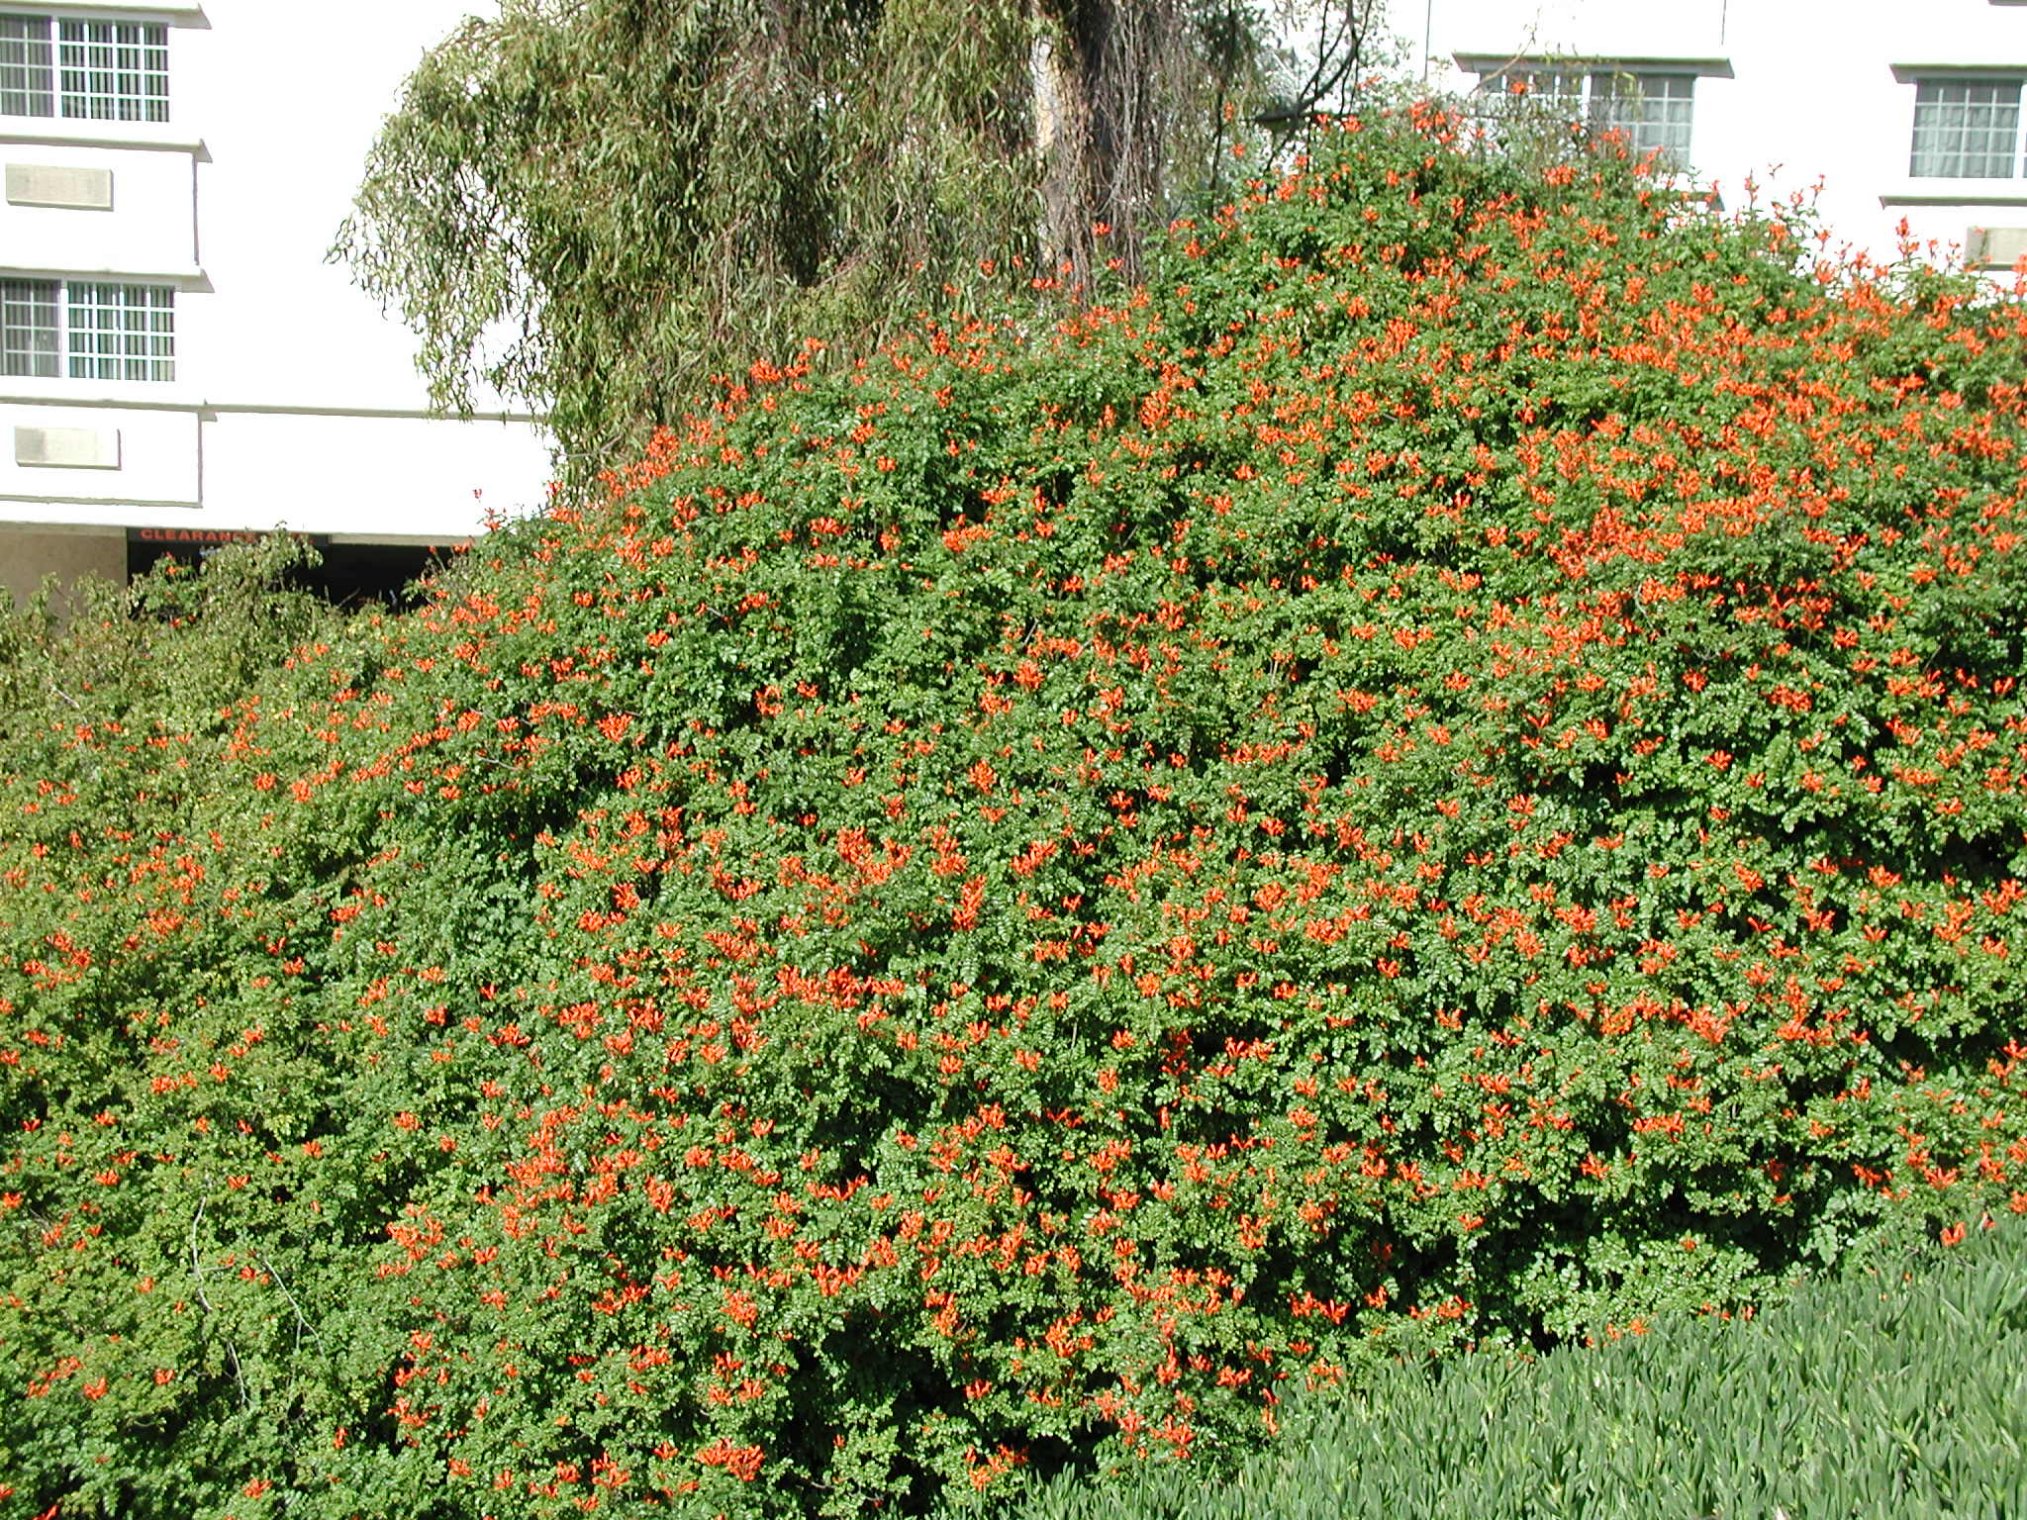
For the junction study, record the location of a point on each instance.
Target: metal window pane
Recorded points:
(1526, 99)
(121, 332)
(114, 70)
(1966, 129)
(27, 78)
(28, 327)
(1535, 87)
(1653, 111)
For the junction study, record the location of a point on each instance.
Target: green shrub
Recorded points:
(1885, 1393)
(1447, 774)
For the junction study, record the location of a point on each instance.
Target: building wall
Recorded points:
(1789, 94)
(29, 554)
(295, 402)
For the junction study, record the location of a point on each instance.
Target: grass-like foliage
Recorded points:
(1886, 1393)
(1448, 773)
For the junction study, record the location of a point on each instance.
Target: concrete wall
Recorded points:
(147, 224)
(26, 556)
(145, 457)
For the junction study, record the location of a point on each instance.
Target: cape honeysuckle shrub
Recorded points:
(134, 996)
(1448, 773)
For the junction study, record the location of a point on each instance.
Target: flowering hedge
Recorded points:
(1448, 773)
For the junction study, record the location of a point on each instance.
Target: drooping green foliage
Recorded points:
(591, 206)
(1448, 772)
(1901, 1390)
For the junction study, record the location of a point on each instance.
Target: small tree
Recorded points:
(591, 206)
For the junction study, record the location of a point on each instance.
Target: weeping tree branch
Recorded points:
(592, 207)
(1341, 58)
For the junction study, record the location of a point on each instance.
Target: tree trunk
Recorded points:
(1098, 72)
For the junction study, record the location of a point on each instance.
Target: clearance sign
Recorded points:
(206, 538)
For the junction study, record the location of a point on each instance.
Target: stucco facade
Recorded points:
(209, 149)
(1796, 94)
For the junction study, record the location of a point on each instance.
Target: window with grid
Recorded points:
(27, 73)
(1652, 109)
(1529, 92)
(30, 335)
(88, 329)
(1966, 129)
(121, 332)
(1537, 86)
(83, 70)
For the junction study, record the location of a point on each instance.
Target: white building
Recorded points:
(1901, 112)
(178, 361)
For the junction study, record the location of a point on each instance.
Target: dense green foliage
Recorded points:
(591, 206)
(1883, 1394)
(1448, 773)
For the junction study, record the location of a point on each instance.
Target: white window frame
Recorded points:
(89, 68)
(2015, 149)
(138, 344)
(31, 328)
(1593, 91)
